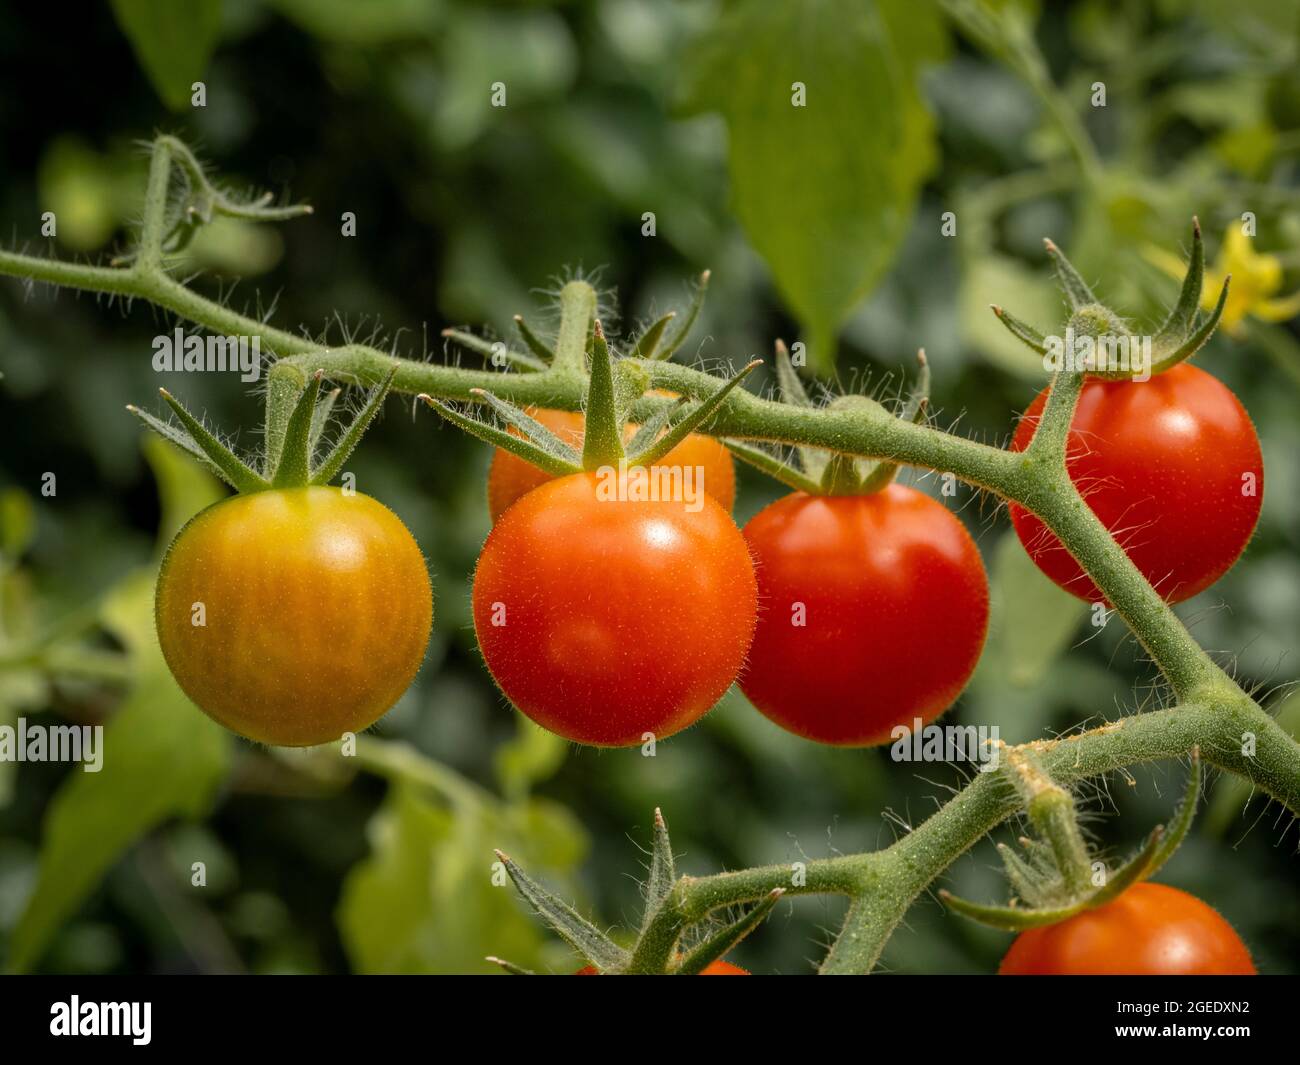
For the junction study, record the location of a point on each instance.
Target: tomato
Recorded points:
(511, 477)
(873, 612)
(1172, 466)
(603, 619)
(714, 968)
(1150, 930)
(315, 608)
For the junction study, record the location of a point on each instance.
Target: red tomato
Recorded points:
(1171, 466)
(714, 968)
(315, 610)
(511, 477)
(873, 613)
(1150, 930)
(603, 620)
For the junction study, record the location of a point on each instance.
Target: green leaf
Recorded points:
(161, 758)
(532, 756)
(424, 901)
(173, 42)
(825, 191)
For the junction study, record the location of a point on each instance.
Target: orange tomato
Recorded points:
(511, 477)
(292, 616)
(1150, 930)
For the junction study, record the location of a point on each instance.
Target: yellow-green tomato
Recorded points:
(293, 616)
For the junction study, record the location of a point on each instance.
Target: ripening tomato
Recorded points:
(873, 612)
(603, 619)
(511, 477)
(1150, 930)
(292, 616)
(714, 968)
(1171, 466)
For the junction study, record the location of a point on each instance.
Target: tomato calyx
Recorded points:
(1056, 877)
(1103, 332)
(816, 472)
(293, 464)
(658, 947)
(613, 387)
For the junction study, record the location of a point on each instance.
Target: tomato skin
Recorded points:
(511, 477)
(1150, 930)
(714, 968)
(620, 618)
(1161, 462)
(318, 608)
(896, 610)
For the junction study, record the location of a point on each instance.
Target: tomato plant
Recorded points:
(1171, 466)
(511, 476)
(604, 620)
(874, 612)
(1150, 930)
(292, 616)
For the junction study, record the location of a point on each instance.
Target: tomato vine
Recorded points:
(1206, 708)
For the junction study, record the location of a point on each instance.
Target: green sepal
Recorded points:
(233, 470)
(490, 434)
(883, 472)
(488, 349)
(603, 443)
(653, 426)
(1022, 331)
(534, 431)
(647, 344)
(718, 944)
(321, 415)
(793, 393)
(773, 466)
(510, 967)
(576, 930)
(696, 416)
(841, 476)
(1170, 352)
(294, 468)
(1182, 319)
(1006, 918)
(663, 872)
(535, 343)
(1027, 878)
(787, 379)
(329, 466)
(669, 347)
(1073, 285)
(1176, 830)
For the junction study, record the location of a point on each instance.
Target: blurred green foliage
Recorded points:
(470, 213)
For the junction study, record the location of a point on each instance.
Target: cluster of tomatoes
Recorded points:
(613, 622)
(295, 615)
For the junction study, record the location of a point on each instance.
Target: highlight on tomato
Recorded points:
(293, 612)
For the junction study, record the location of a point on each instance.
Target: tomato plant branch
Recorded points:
(1214, 713)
